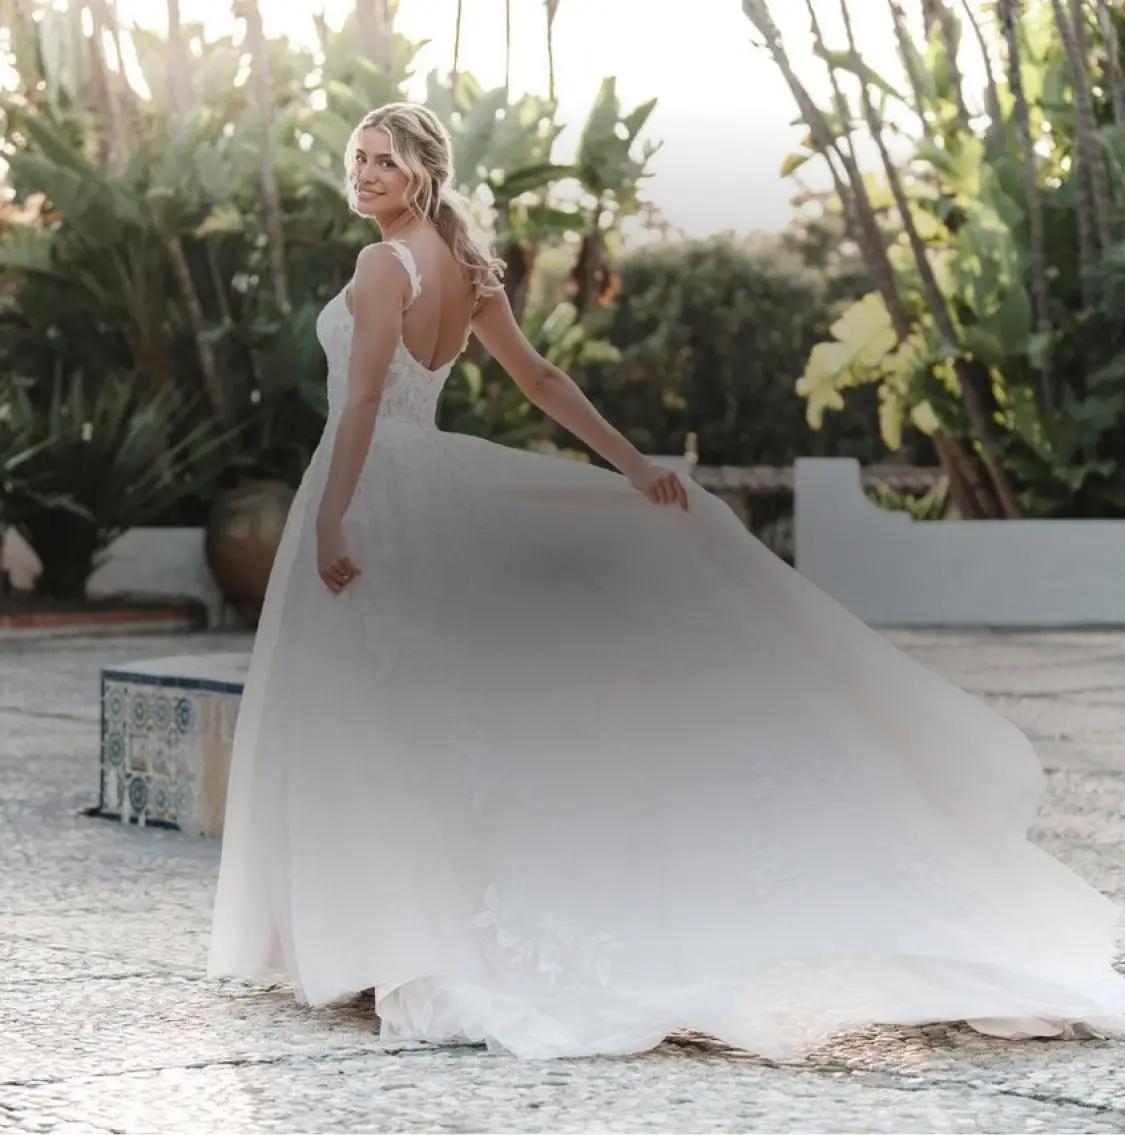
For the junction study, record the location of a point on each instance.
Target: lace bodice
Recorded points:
(411, 391)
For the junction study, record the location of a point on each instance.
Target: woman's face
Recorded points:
(380, 186)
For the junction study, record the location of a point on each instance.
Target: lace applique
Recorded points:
(553, 946)
(412, 390)
(406, 259)
(410, 393)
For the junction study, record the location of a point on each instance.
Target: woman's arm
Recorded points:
(561, 399)
(379, 292)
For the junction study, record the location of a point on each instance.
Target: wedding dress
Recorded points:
(564, 771)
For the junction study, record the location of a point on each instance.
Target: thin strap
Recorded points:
(406, 258)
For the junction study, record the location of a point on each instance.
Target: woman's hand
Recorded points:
(333, 564)
(660, 485)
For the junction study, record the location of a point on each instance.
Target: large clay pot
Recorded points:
(243, 533)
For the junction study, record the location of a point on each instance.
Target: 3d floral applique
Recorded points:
(555, 947)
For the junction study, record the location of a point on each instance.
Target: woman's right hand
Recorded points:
(333, 564)
(660, 485)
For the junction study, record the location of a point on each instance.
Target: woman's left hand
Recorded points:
(333, 564)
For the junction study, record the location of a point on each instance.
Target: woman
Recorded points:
(554, 769)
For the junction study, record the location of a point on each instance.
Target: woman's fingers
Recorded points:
(680, 492)
(668, 490)
(339, 574)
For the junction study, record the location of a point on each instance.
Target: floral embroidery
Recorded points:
(554, 947)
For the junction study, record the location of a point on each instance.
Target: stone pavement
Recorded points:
(107, 1022)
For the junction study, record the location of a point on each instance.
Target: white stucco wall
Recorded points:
(164, 561)
(890, 569)
(153, 561)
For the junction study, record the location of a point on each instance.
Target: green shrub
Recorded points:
(713, 335)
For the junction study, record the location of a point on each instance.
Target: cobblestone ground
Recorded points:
(107, 1021)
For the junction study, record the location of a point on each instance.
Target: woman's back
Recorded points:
(436, 323)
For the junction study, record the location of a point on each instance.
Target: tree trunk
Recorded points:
(116, 152)
(992, 95)
(374, 27)
(456, 49)
(99, 90)
(1113, 53)
(585, 274)
(905, 45)
(853, 195)
(1008, 12)
(212, 385)
(940, 20)
(177, 63)
(507, 50)
(519, 256)
(1091, 161)
(271, 195)
(841, 103)
(552, 9)
(974, 391)
(1099, 172)
(970, 490)
(864, 228)
(128, 106)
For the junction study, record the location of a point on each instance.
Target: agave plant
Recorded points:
(98, 459)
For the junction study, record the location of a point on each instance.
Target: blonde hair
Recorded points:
(421, 147)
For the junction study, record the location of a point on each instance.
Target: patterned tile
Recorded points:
(165, 747)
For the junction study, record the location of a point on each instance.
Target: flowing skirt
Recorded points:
(564, 771)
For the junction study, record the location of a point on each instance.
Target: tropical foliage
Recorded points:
(176, 244)
(993, 242)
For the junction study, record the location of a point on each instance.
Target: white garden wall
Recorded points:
(150, 561)
(887, 568)
(162, 561)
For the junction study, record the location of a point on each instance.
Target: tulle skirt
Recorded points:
(564, 771)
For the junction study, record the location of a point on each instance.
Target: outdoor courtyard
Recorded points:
(108, 1023)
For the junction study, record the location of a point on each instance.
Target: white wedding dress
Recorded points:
(564, 771)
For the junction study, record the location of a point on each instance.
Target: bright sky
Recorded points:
(723, 112)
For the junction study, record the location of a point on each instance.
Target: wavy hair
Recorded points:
(421, 147)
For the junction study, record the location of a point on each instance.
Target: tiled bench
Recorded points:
(166, 731)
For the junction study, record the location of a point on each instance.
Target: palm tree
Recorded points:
(507, 49)
(1116, 82)
(552, 10)
(177, 63)
(991, 93)
(971, 493)
(271, 195)
(116, 141)
(1092, 171)
(975, 386)
(374, 23)
(456, 51)
(1008, 12)
(940, 21)
(910, 63)
(852, 192)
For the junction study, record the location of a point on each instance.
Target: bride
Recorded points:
(561, 759)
